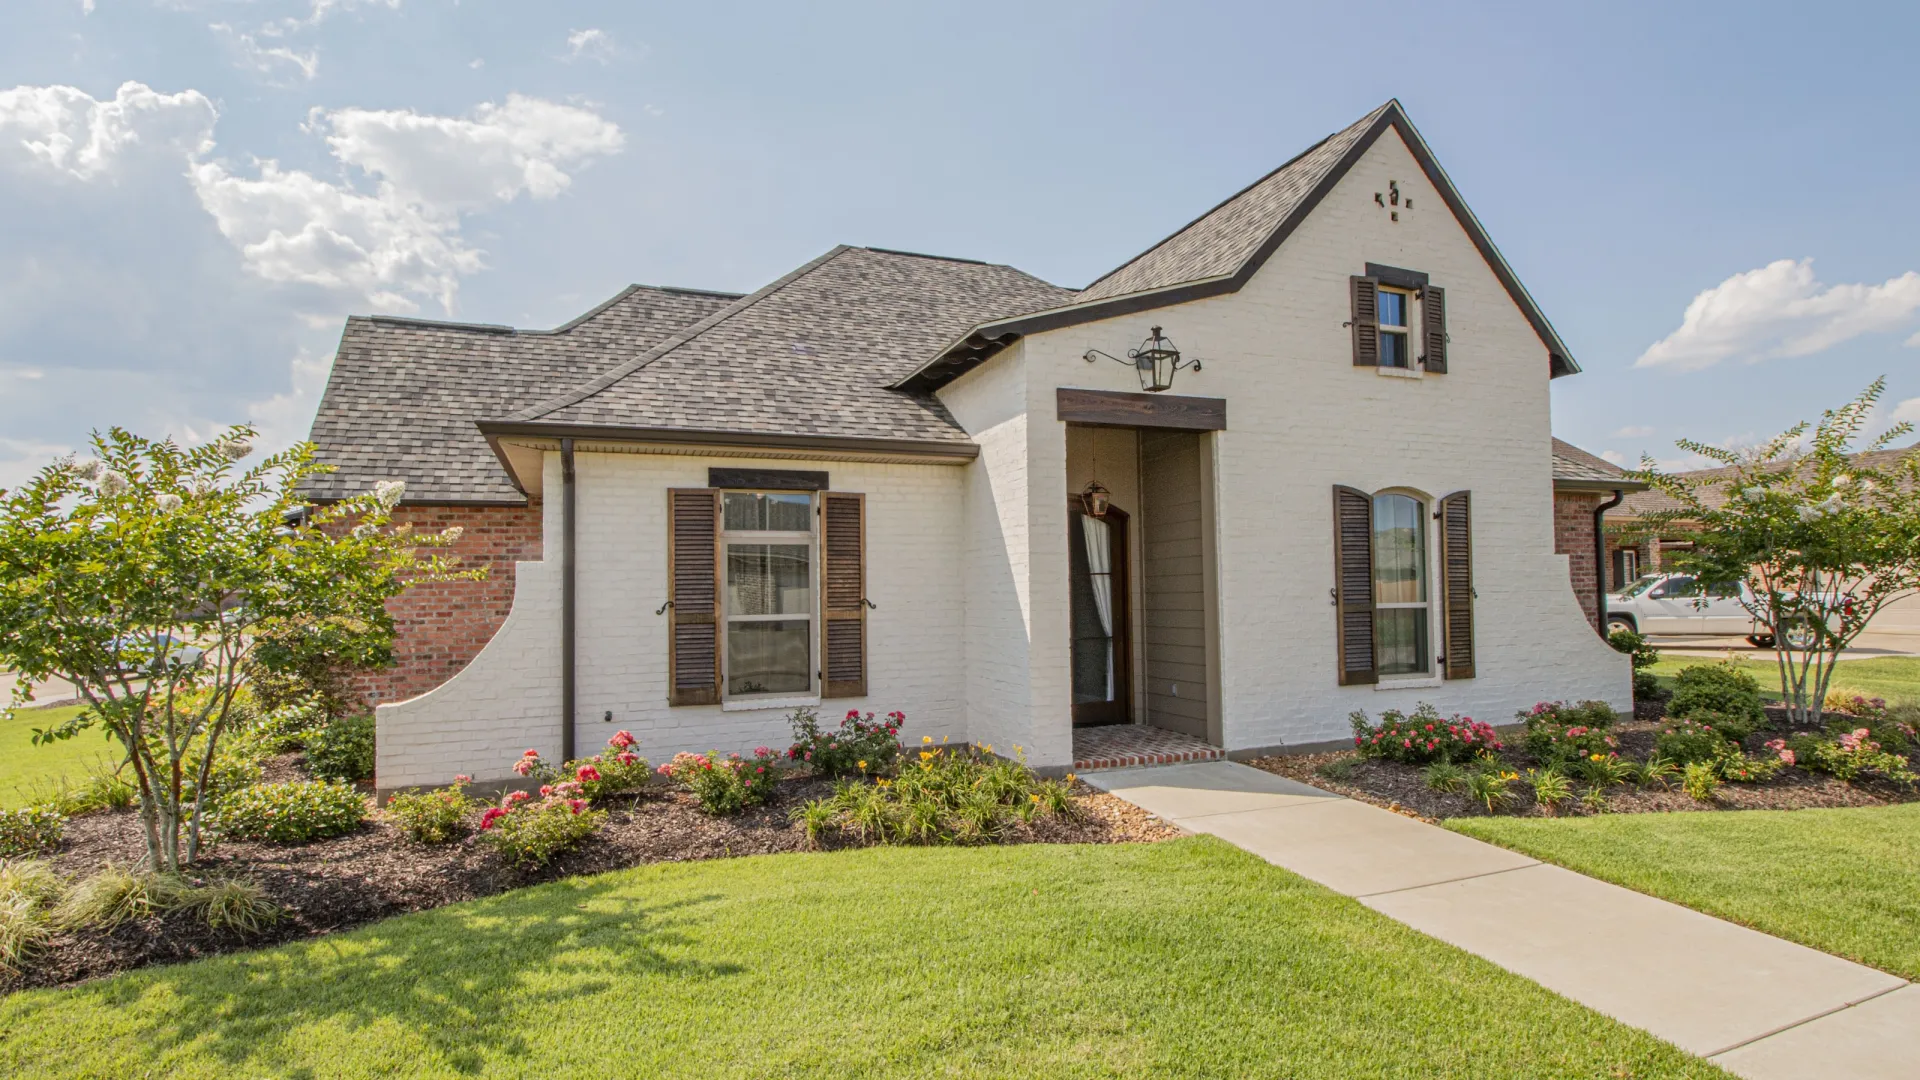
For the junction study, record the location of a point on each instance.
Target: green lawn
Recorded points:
(1845, 882)
(1896, 678)
(1183, 959)
(28, 773)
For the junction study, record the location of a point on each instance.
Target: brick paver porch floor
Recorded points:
(1119, 746)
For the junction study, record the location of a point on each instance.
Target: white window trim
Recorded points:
(1404, 330)
(776, 699)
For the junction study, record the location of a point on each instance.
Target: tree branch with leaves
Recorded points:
(1824, 539)
(147, 575)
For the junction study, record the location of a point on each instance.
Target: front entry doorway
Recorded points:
(1098, 574)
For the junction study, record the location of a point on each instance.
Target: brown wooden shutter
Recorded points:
(693, 585)
(1456, 584)
(843, 595)
(1433, 325)
(1366, 321)
(1353, 585)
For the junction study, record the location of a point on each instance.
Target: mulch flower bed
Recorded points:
(375, 872)
(1403, 788)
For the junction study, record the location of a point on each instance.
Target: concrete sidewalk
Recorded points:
(1759, 1006)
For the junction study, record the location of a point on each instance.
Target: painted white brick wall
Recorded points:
(1300, 419)
(508, 699)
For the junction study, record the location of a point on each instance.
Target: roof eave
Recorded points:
(1560, 484)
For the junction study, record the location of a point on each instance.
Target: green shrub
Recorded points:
(30, 830)
(725, 785)
(1423, 737)
(1720, 688)
(281, 731)
(292, 813)
(1646, 686)
(1688, 742)
(1851, 756)
(1893, 728)
(1731, 727)
(615, 770)
(431, 817)
(1641, 651)
(947, 796)
(1557, 731)
(342, 750)
(860, 746)
(530, 832)
(1700, 781)
(1737, 767)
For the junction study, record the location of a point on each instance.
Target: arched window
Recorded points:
(1400, 585)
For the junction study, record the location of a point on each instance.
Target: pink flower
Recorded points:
(621, 739)
(492, 815)
(545, 790)
(588, 773)
(853, 714)
(462, 778)
(531, 753)
(523, 766)
(1787, 757)
(665, 770)
(761, 751)
(514, 798)
(576, 805)
(627, 757)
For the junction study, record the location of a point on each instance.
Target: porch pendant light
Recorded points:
(1096, 499)
(1155, 361)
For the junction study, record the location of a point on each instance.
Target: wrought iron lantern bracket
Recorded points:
(1156, 361)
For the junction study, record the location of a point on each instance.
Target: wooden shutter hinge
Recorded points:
(662, 609)
(871, 606)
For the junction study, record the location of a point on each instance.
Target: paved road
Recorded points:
(1758, 1006)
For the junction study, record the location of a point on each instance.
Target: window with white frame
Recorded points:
(768, 540)
(1396, 315)
(1402, 630)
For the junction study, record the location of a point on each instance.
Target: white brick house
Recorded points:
(864, 487)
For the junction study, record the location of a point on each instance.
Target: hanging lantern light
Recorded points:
(1155, 361)
(1096, 499)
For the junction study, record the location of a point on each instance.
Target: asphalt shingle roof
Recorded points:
(404, 394)
(812, 354)
(1220, 241)
(1572, 463)
(1714, 495)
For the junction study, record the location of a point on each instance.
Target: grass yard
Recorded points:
(1896, 678)
(29, 773)
(1186, 958)
(1845, 882)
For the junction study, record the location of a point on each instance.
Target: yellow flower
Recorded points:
(925, 739)
(926, 755)
(1035, 796)
(863, 766)
(1596, 757)
(1070, 778)
(988, 747)
(883, 782)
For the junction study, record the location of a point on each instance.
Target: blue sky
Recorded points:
(176, 254)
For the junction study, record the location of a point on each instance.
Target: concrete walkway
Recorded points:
(1759, 1006)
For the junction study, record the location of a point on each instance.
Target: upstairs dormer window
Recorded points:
(1395, 304)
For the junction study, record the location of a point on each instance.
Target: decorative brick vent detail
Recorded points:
(440, 627)
(1120, 746)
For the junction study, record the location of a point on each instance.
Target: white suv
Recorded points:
(1680, 604)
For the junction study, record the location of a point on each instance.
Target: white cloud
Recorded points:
(1615, 457)
(1913, 342)
(590, 44)
(403, 239)
(1780, 310)
(1908, 410)
(267, 60)
(86, 7)
(66, 129)
(283, 419)
(21, 458)
(1636, 431)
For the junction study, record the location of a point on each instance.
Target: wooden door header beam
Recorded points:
(1109, 408)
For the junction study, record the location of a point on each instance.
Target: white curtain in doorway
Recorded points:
(1099, 542)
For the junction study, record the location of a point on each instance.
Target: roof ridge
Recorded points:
(434, 324)
(1369, 118)
(924, 255)
(575, 395)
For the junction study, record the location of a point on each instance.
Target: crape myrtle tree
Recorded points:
(1823, 540)
(146, 575)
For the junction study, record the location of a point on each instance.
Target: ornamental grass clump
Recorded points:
(432, 817)
(29, 891)
(1602, 770)
(860, 746)
(114, 895)
(726, 784)
(291, 813)
(947, 796)
(1551, 788)
(1423, 737)
(1491, 786)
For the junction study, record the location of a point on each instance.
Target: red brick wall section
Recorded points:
(1573, 537)
(440, 626)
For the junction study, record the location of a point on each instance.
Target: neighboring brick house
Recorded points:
(1585, 489)
(895, 481)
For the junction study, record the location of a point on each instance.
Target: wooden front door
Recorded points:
(1097, 588)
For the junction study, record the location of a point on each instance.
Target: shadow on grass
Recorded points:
(459, 981)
